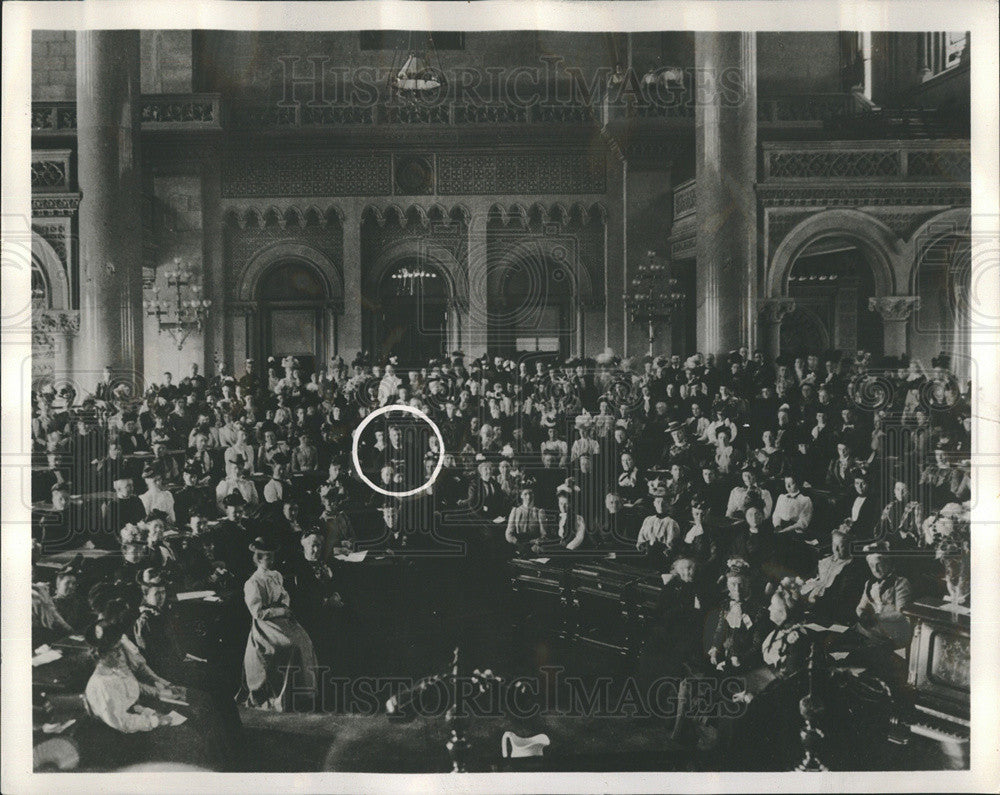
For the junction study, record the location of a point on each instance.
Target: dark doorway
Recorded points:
(412, 316)
(292, 301)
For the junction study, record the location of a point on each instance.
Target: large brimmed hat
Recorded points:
(261, 544)
(234, 499)
(153, 576)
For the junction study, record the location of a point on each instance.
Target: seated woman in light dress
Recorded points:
(279, 665)
(153, 720)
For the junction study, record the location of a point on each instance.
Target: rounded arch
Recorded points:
(262, 261)
(422, 251)
(956, 221)
(806, 328)
(556, 251)
(51, 267)
(879, 244)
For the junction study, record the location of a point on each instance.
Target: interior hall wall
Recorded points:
(177, 226)
(648, 214)
(798, 63)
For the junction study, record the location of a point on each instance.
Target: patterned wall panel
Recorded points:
(312, 174)
(520, 173)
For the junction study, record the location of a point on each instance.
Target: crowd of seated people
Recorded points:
(741, 481)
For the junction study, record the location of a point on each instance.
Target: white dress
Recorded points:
(279, 661)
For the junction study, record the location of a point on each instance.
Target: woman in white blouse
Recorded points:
(279, 660)
(165, 723)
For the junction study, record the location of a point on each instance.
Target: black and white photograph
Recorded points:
(399, 396)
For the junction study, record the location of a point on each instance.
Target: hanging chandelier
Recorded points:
(418, 75)
(655, 295)
(184, 310)
(408, 280)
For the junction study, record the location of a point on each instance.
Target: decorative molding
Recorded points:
(556, 214)
(779, 224)
(181, 112)
(773, 310)
(50, 170)
(280, 213)
(61, 205)
(894, 308)
(685, 199)
(50, 118)
(492, 114)
(48, 324)
(865, 194)
(904, 223)
(434, 216)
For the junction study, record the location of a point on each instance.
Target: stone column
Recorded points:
(108, 105)
(477, 325)
(895, 311)
(726, 169)
(771, 313)
(349, 335)
(923, 52)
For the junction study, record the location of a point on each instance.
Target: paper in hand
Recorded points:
(176, 719)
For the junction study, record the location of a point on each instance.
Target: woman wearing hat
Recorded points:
(153, 630)
(279, 658)
(766, 736)
(66, 595)
(125, 694)
(750, 493)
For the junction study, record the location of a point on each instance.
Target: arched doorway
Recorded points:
(294, 321)
(831, 281)
(943, 320)
(538, 302)
(411, 319)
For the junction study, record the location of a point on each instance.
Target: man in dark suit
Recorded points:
(485, 498)
(863, 511)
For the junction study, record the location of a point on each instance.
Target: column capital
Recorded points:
(774, 310)
(894, 308)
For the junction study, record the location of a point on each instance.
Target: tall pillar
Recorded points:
(477, 327)
(895, 311)
(349, 335)
(923, 53)
(726, 169)
(108, 104)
